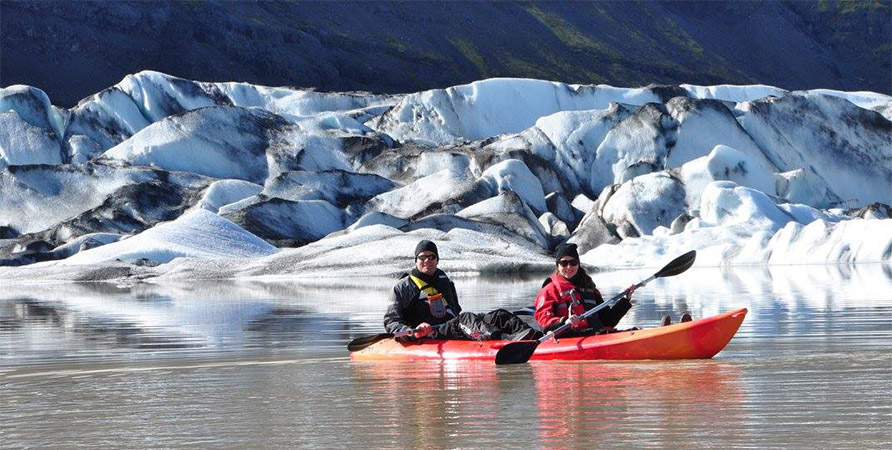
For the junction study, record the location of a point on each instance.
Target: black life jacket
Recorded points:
(433, 305)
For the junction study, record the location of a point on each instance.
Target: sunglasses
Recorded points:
(426, 257)
(568, 262)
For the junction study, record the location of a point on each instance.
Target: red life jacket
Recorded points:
(556, 300)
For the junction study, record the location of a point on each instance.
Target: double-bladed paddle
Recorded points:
(365, 341)
(520, 352)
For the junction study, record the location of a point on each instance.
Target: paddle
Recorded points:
(365, 341)
(520, 352)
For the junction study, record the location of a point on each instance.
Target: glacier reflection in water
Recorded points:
(264, 365)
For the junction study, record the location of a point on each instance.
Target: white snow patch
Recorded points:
(494, 106)
(225, 192)
(723, 163)
(732, 93)
(582, 203)
(378, 218)
(208, 142)
(646, 202)
(22, 143)
(197, 234)
(513, 175)
(414, 198)
(726, 203)
(85, 242)
(863, 99)
(35, 198)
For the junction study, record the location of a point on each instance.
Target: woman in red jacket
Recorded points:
(570, 292)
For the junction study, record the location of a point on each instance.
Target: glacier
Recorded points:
(165, 178)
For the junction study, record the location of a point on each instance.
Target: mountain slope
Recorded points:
(72, 49)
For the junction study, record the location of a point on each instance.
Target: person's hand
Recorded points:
(573, 319)
(629, 292)
(423, 329)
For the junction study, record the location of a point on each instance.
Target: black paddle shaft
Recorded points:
(521, 352)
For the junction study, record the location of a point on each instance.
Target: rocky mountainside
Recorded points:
(71, 49)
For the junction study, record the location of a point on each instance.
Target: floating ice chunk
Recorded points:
(386, 251)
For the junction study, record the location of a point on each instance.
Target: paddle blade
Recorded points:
(516, 352)
(678, 265)
(365, 341)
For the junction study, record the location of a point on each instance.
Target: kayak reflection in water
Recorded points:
(424, 301)
(569, 293)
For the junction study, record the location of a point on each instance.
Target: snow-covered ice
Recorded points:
(161, 177)
(198, 234)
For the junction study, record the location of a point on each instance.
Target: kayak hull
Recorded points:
(697, 339)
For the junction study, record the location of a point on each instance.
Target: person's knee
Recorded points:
(500, 314)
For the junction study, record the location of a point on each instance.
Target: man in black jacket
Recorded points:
(426, 297)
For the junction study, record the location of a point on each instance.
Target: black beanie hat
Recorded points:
(565, 250)
(426, 245)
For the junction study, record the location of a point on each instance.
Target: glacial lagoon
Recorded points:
(265, 365)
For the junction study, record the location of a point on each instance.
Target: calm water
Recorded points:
(263, 365)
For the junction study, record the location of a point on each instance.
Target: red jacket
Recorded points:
(553, 303)
(554, 300)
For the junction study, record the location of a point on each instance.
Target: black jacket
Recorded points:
(407, 309)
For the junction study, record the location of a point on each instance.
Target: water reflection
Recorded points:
(833, 306)
(424, 404)
(96, 321)
(264, 365)
(551, 404)
(584, 402)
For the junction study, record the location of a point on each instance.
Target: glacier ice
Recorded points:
(207, 179)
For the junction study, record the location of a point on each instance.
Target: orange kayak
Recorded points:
(697, 339)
